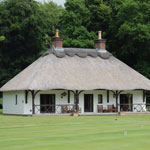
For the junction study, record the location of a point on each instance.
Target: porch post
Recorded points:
(76, 100)
(33, 97)
(33, 109)
(117, 102)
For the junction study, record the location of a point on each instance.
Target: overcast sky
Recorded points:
(59, 2)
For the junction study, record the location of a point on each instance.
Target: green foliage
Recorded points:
(2, 38)
(100, 15)
(24, 24)
(129, 33)
(74, 21)
(52, 17)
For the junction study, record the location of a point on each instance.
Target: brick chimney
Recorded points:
(57, 41)
(100, 43)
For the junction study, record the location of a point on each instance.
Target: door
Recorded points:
(47, 102)
(126, 101)
(88, 103)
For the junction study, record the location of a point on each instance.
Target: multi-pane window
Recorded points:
(100, 98)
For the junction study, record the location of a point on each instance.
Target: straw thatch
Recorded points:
(77, 69)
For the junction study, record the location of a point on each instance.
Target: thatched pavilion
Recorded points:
(67, 80)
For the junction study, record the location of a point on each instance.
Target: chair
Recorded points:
(109, 107)
(100, 108)
(125, 107)
(64, 109)
(114, 108)
(78, 109)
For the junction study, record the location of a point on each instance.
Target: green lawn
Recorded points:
(75, 133)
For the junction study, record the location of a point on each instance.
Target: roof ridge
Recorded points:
(81, 52)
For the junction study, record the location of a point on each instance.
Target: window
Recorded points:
(16, 100)
(100, 99)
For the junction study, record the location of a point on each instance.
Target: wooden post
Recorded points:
(33, 109)
(68, 96)
(76, 100)
(33, 97)
(117, 102)
(26, 96)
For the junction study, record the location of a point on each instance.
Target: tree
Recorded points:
(100, 15)
(129, 33)
(74, 22)
(23, 25)
(52, 17)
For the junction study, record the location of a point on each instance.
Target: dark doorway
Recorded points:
(126, 101)
(47, 102)
(88, 103)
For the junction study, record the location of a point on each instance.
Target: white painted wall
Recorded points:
(28, 105)
(9, 102)
(9, 106)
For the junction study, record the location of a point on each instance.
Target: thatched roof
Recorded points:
(77, 69)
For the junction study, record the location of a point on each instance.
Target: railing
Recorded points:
(139, 107)
(70, 108)
(58, 108)
(134, 107)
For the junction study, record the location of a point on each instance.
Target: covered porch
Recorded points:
(94, 102)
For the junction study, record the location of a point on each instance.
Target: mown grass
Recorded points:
(75, 133)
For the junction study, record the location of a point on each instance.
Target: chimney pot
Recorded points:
(99, 35)
(100, 43)
(57, 33)
(57, 41)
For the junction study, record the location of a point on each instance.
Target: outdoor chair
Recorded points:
(113, 108)
(109, 107)
(64, 109)
(125, 107)
(100, 108)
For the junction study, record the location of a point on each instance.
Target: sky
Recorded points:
(59, 2)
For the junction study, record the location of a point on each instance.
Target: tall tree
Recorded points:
(100, 15)
(52, 17)
(74, 22)
(129, 33)
(23, 25)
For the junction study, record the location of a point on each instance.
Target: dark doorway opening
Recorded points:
(47, 102)
(126, 102)
(88, 103)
